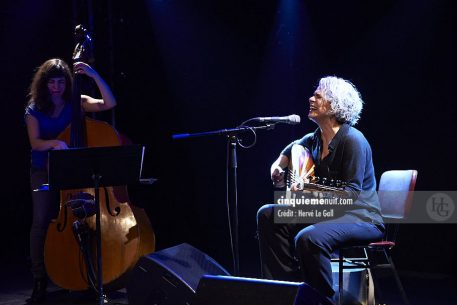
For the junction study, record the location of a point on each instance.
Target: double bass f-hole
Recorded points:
(61, 227)
(70, 198)
(83, 206)
(117, 209)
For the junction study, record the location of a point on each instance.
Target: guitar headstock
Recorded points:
(327, 182)
(322, 184)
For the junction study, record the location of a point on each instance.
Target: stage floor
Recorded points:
(16, 286)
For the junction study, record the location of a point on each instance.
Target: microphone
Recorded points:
(292, 119)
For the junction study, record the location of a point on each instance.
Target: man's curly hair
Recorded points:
(345, 100)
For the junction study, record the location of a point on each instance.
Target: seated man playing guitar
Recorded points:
(301, 252)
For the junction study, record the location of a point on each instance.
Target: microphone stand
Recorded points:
(231, 176)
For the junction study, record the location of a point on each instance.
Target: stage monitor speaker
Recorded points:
(170, 276)
(228, 290)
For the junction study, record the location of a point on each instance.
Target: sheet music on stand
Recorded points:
(74, 168)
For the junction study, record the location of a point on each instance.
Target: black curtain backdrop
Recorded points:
(182, 66)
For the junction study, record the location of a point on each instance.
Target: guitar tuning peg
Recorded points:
(324, 181)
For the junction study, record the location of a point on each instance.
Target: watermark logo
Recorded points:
(440, 207)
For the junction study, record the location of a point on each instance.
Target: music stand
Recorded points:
(95, 167)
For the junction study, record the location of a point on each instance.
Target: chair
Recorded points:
(395, 197)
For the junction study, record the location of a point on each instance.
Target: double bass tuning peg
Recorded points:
(84, 48)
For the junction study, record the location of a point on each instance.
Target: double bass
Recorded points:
(126, 233)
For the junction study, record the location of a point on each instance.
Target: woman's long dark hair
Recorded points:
(39, 92)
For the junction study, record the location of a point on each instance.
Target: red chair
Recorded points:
(395, 194)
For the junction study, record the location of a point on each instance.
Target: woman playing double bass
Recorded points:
(47, 114)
